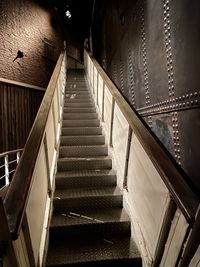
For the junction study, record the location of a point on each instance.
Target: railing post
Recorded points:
(97, 89)
(103, 100)
(93, 79)
(18, 157)
(111, 122)
(54, 125)
(130, 131)
(6, 169)
(47, 164)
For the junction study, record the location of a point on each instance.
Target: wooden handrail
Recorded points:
(10, 152)
(17, 196)
(185, 199)
(21, 84)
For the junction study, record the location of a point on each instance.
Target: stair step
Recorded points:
(77, 92)
(87, 198)
(94, 252)
(74, 131)
(79, 110)
(79, 100)
(83, 151)
(82, 140)
(78, 116)
(79, 123)
(76, 86)
(78, 97)
(79, 105)
(98, 163)
(102, 222)
(85, 178)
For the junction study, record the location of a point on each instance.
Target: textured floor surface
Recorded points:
(89, 226)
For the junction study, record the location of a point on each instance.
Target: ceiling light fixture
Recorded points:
(68, 14)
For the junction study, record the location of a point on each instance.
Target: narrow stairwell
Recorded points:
(89, 226)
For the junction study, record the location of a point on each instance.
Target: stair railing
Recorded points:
(162, 205)
(8, 164)
(27, 202)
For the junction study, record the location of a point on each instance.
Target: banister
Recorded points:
(185, 199)
(17, 196)
(21, 84)
(10, 152)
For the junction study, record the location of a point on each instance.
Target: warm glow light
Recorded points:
(68, 14)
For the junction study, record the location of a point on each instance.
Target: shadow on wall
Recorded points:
(31, 29)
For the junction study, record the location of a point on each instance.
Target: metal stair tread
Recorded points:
(81, 131)
(79, 110)
(89, 250)
(83, 122)
(89, 216)
(86, 192)
(83, 150)
(68, 159)
(82, 140)
(85, 173)
(79, 116)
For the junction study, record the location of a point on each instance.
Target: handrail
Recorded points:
(186, 200)
(18, 192)
(21, 84)
(10, 152)
(8, 168)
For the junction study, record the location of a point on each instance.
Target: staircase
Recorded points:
(89, 226)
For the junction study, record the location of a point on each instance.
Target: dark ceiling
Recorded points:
(78, 26)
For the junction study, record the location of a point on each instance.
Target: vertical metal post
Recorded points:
(47, 164)
(54, 125)
(90, 74)
(97, 89)
(93, 80)
(59, 117)
(18, 156)
(130, 132)
(6, 169)
(164, 232)
(111, 122)
(103, 101)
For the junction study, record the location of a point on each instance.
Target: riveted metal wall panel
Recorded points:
(151, 51)
(189, 129)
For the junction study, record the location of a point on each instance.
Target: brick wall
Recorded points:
(23, 26)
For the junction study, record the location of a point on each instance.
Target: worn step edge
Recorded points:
(82, 140)
(89, 163)
(107, 229)
(100, 252)
(89, 202)
(79, 131)
(79, 123)
(78, 116)
(85, 181)
(83, 151)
